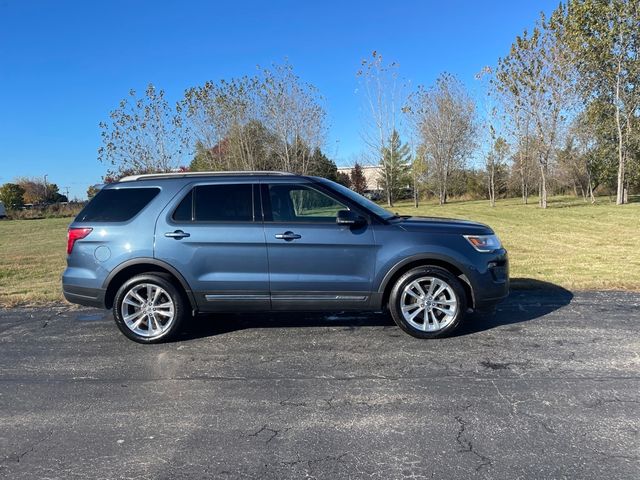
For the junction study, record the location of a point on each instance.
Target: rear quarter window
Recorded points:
(117, 204)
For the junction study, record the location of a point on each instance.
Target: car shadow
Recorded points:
(529, 299)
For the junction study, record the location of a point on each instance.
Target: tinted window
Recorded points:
(223, 203)
(116, 205)
(184, 212)
(297, 203)
(359, 199)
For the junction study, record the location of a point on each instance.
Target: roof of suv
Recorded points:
(156, 176)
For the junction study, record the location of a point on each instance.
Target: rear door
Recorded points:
(314, 263)
(212, 235)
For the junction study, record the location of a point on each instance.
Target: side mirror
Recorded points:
(348, 217)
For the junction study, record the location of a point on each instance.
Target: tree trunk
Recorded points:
(621, 167)
(492, 187)
(523, 183)
(543, 186)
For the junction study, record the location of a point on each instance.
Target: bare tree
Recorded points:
(142, 135)
(445, 118)
(292, 110)
(269, 121)
(383, 99)
(223, 122)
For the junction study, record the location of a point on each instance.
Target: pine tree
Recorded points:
(395, 161)
(358, 180)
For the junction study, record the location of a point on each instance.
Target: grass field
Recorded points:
(571, 244)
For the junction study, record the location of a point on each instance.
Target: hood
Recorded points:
(442, 225)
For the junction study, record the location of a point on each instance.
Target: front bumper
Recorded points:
(490, 282)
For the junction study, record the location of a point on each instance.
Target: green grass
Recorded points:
(32, 258)
(571, 244)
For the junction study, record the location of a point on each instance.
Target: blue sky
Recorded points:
(65, 65)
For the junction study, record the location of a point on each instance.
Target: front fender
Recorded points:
(394, 265)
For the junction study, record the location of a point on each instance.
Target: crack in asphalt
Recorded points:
(312, 461)
(466, 445)
(602, 401)
(17, 457)
(274, 433)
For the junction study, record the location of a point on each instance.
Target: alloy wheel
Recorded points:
(148, 310)
(428, 304)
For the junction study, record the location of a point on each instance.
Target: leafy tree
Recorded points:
(272, 121)
(358, 182)
(495, 163)
(535, 80)
(38, 191)
(605, 36)
(142, 135)
(444, 117)
(419, 172)
(395, 161)
(246, 147)
(92, 190)
(11, 195)
(222, 121)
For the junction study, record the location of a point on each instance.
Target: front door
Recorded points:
(314, 263)
(213, 236)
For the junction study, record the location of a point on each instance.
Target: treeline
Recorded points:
(560, 114)
(270, 121)
(30, 191)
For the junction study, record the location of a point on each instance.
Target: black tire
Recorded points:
(181, 309)
(443, 275)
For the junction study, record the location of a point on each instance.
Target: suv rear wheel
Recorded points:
(428, 302)
(148, 308)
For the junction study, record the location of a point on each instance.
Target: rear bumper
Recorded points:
(90, 297)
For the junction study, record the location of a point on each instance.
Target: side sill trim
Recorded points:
(352, 298)
(216, 297)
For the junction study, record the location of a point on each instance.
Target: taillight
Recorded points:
(76, 234)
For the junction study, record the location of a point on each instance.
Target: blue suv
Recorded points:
(158, 249)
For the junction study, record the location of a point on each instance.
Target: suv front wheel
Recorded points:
(428, 302)
(148, 308)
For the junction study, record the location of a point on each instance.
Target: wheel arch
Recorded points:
(130, 268)
(407, 264)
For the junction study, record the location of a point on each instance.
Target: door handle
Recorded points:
(178, 234)
(288, 236)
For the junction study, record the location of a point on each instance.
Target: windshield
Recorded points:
(359, 199)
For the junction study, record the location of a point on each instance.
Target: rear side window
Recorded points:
(117, 205)
(217, 203)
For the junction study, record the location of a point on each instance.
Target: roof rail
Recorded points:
(151, 176)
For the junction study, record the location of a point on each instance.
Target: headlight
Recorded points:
(484, 243)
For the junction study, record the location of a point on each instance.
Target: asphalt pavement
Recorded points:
(547, 388)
